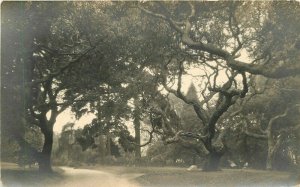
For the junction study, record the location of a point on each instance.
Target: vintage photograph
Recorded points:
(150, 93)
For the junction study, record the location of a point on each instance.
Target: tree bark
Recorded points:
(108, 146)
(270, 158)
(45, 157)
(212, 162)
(271, 148)
(137, 126)
(194, 159)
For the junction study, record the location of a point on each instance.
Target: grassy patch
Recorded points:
(226, 177)
(173, 176)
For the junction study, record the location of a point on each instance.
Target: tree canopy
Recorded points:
(121, 60)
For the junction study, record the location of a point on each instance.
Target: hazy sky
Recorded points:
(68, 116)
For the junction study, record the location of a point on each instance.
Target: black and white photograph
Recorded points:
(150, 93)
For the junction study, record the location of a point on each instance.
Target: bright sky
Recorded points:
(67, 116)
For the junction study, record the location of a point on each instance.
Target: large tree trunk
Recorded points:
(108, 145)
(270, 158)
(194, 159)
(273, 146)
(212, 162)
(137, 126)
(216, 149)
(45, 157)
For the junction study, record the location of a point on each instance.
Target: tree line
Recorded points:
(123, 60)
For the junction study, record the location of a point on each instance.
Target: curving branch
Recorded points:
(263, 135)
(255, 69)
(268, 132)
(174, 24)
(197, 107)
(198, 146)
(273, 119)
(234, 28)
(149, 140)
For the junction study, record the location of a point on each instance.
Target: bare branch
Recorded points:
(174, 24)
(198, 109)
(235, 34)
(275, 72)
(198, 146)
(264, 134)
(148, 142)
(282, 115)
(245, 86)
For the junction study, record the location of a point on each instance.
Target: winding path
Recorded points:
(93, 178)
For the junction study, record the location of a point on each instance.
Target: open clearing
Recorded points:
(114, 176)
(174, 176)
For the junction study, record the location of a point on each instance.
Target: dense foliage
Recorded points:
(128, 62)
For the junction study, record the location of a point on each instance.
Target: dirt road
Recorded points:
(93, 178)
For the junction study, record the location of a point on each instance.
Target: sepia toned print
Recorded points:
(150, 93)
